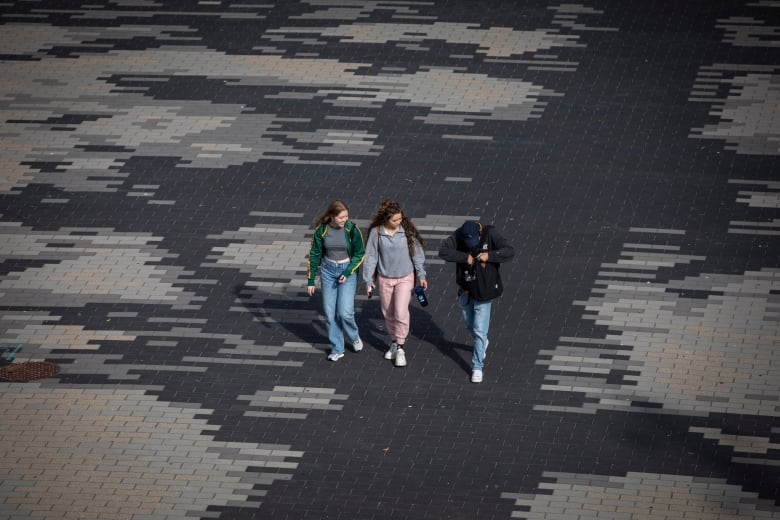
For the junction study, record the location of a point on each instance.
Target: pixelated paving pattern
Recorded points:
(161, 163)
(69, 112)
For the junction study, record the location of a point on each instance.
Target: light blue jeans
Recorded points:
(338, 304)
(476, 317)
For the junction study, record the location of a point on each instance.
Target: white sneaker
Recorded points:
(335, 356)
(400, 358)
(390, 354)
(357, 345)
(476, 376)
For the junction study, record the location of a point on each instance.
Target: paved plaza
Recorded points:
(162, 161)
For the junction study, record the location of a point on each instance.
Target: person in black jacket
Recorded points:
(477, 252)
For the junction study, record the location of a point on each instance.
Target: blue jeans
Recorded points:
(338, 304)
(476, 317)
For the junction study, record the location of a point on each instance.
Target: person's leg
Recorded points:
(329, 274)
(402, 294)
(480, 326)
(466, 304)
(345, 308)
(385, 287)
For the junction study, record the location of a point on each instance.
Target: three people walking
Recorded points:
(393, 261)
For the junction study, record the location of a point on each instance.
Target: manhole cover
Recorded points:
(28, 371)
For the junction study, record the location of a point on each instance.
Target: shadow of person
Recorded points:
(423, 329)
(371, 323)
(290, 313)
(426, 329)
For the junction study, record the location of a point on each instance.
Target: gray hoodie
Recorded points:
(389, 256)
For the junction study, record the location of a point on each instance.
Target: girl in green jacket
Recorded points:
(337, 250)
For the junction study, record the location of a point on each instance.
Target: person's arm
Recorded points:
(448, 251)
(370, 260)
(501, 250)
(419, 264)
(315, 256)
(357, 249)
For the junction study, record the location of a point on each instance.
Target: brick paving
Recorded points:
(160, 167)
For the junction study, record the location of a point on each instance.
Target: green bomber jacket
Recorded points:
(355, 248)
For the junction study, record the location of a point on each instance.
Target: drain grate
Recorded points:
(28, 371)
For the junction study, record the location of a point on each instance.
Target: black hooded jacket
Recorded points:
(483, 279)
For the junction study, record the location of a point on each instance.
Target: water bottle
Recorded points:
(420, 293)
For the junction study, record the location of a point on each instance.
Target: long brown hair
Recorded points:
(386, 210)
(334, 208)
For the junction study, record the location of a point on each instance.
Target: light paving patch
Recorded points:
(88, 265)
(38, 38)
(758, 194)
(639, 496)
(269, 403)
(493, 41)
(340, 10)
(744, 98)
(749, 32)
(274, 250)
(71, 453)
(704, 344)
(493, 44)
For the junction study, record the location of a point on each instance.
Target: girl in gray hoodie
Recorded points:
(394, 264)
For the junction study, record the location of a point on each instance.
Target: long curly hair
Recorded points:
(385, 212)
(333, 209)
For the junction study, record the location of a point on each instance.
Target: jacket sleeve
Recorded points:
(371, 258)
(500, 249)
(448, 251)
(315, 255)
(357, 251)
(419, 261)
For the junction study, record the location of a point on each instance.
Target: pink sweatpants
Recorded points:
(394, 297)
